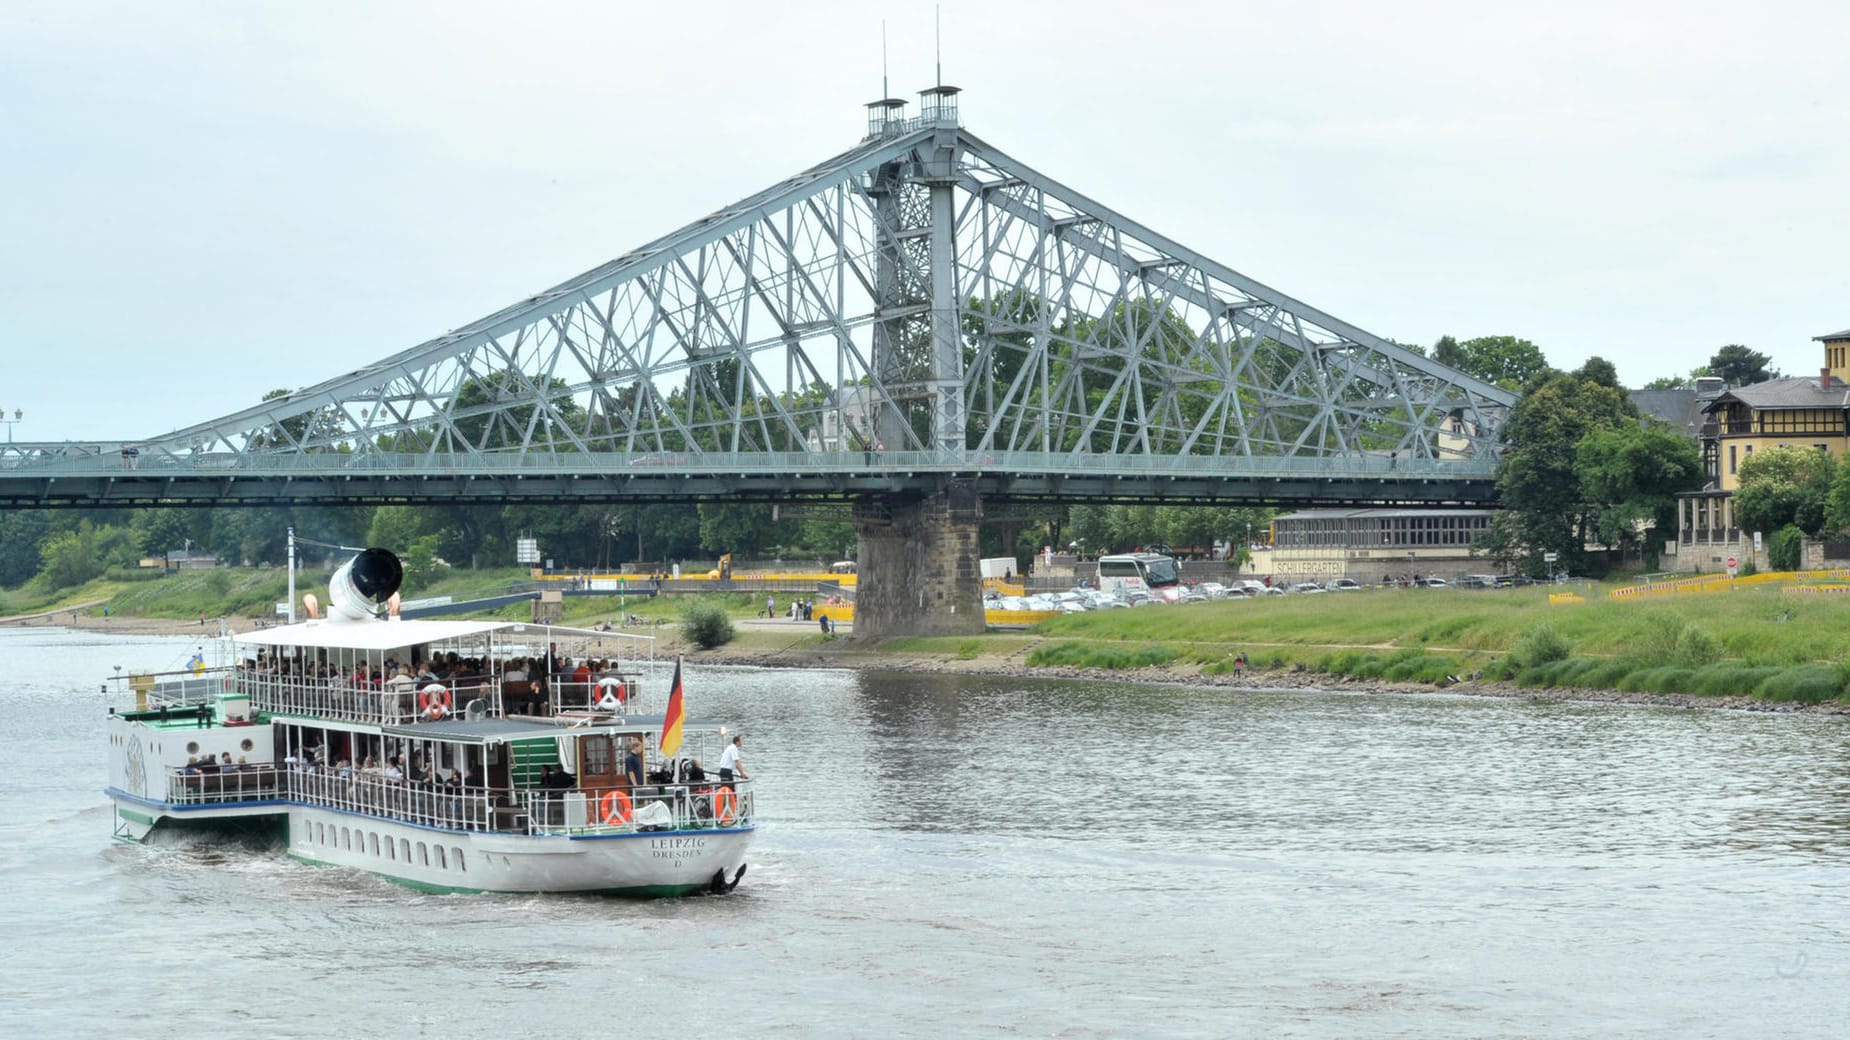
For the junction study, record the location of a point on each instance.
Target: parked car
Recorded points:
(1307, 587)
(1138, 598)
(1435, 583)
(1344, 585)
(1249, 587)
(1212, 589)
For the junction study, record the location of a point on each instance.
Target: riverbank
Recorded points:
(784, 644)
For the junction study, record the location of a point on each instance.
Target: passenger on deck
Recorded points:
(225, 764)
(391, 771)
(632, 763)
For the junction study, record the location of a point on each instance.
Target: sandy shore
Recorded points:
(781, 644)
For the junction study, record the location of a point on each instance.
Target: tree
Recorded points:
(1787, 485)
(1666, 383)
(1739, 366)
(1599, 370)
(1536, 478)
(1630, 476)
(1507, 361)
(21, 531)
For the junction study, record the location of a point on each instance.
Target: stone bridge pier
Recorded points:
(918, 565)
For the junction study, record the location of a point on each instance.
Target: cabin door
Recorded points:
(599, 763)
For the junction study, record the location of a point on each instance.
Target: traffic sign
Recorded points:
(1731, 565)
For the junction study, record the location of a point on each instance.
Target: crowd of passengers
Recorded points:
(394, 768)
(222, 764)
(574, 678)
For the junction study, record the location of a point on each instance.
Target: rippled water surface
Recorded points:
(969, 856)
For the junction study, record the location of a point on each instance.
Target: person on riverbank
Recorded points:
(732, 761)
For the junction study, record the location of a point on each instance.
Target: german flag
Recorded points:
(671, 721)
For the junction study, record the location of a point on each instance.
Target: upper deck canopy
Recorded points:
(391, 635)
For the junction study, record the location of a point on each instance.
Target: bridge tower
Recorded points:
(918, 556)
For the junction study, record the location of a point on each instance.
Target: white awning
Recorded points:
(369, 635)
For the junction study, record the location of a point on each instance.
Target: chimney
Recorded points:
(1824, 379)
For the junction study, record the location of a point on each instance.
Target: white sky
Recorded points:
(201, 202)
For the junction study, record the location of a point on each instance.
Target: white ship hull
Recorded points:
(648, 863)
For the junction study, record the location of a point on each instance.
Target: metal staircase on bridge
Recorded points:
(918, 311)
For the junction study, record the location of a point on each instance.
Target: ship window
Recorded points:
(346, 838)
(404, 849)
(461, 864)
(247, 745)
(391, 849)
(442, 864)
(423, 854)
(375, 843)
(192, 747)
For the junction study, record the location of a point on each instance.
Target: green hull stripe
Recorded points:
(133, 815)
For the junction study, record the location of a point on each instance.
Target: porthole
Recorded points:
(247, 744)
(192, 747)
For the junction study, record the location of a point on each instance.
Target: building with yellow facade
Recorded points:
(1799, 411)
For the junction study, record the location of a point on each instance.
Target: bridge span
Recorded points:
(917, 326)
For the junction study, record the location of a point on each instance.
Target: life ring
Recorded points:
(613, 694)
(434, 701)
(725, 806)
(615, 807)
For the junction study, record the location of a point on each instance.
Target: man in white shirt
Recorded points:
(732, 761)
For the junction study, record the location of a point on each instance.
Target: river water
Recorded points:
(956, 855)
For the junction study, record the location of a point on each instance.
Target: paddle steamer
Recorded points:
(412, 749)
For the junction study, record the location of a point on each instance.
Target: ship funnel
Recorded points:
(364, 584)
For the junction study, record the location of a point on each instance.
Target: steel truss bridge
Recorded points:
(918, 312)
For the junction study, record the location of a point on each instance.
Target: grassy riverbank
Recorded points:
(1759, 644)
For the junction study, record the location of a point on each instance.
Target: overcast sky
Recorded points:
(201, 202)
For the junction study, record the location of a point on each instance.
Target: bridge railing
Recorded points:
(52, 460)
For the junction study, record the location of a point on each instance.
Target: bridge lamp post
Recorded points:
(18, 414)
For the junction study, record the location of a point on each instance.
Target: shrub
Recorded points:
(1538, 646)
(1731, 680)
(1807, 684)
(707, 626)
(1785, 548)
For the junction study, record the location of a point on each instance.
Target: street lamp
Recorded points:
(18, 414)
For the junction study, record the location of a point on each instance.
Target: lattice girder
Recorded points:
(924, 293)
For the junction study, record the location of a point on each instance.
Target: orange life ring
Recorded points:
(725, 806)
(434, 701)
(615, 807)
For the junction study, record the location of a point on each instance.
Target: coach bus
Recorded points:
(1154, 573)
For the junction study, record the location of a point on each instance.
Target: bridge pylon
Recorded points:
(918, 565)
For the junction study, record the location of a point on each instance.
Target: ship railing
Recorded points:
(698, 805)
(246, 783)
(337, 698)
(417, 802)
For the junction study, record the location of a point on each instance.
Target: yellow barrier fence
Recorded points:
(1706, 584)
